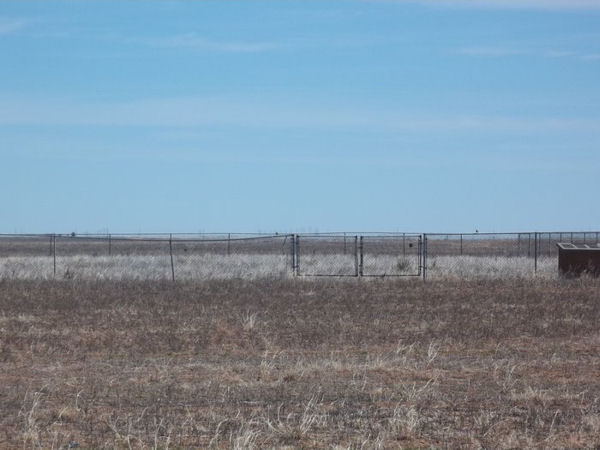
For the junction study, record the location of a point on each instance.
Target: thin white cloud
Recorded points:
(271, 113)
(517, 4)
(8, 26)
(490, 51)
(591, 57)
(501, 52)
(196, 41)
(559, 54)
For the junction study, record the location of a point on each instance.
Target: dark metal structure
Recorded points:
(577, 259)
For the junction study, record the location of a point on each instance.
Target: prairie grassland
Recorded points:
(209, 266)
(300, 363)
(491, 267)
(146, 267)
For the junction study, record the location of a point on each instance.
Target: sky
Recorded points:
(299, 116)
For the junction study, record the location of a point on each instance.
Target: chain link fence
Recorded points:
(249, 256)
(496, 255)
(327, 255)
(219, 257)
(28, 256)
(145, 257)
(393, 256)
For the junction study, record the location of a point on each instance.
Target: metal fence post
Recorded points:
(171, 253)
(294, 255)
(461, 244)
(109, 245)
(297, 253)
(292, 258)
(228, 244)
(424, 257)
(535, 251)
(54, 253)
(404, 244)
(361, 265)
(420, 253)
(356, 270)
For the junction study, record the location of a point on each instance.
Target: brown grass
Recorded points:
(299, 363)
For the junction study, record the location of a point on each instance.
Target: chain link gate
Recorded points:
(358, 255)
(390, 256)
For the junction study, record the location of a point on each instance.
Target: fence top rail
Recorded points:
(222, 239)
(511, 233)
(141, 235)
(26, 235)
(245, 236)
(364, 233)
(353, 233)
(175, 239)
(145, 237)
(200, 234)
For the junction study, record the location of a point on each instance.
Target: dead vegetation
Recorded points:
(299, 363)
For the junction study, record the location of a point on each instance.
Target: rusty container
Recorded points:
(577, 259)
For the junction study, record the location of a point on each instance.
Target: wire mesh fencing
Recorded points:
(392, 256)
(547, 241)
(28, 256)
(496, 255)
(221, 257)
(327, 255)
(249, 256)
(145, 257)
(347, 255)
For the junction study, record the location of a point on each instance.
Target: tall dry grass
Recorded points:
(298, 363)
(211, 266)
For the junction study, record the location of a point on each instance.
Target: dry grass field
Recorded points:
(207, 267)
(299, 363)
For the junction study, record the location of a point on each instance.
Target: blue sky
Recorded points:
(299, 116)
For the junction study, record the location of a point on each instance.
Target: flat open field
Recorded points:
(299, 363)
